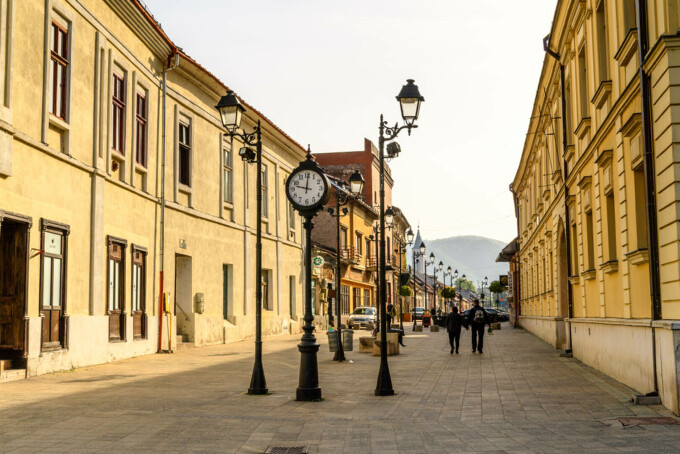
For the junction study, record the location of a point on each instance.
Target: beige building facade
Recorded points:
(597, 194)
(88, 135)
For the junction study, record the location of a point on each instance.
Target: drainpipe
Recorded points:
(565, 188)
(518, 268)
(649, 171)
(174, 57)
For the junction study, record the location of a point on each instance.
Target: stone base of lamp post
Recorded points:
(308, 389)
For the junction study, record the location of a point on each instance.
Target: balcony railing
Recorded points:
(349, 255)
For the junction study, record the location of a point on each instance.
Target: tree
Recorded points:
(465, 284)
(448, 293)
(495, 287)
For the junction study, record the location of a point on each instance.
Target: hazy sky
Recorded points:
(324, 71)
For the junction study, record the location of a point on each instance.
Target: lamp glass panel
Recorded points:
(409, 108)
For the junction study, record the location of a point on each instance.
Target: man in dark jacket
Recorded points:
(454, 322)
(477, 318)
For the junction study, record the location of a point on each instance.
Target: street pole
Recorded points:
(340, 354)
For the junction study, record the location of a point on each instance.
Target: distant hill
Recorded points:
(474, 256)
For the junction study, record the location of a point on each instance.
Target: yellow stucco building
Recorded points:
(597, 195)
(89, 132)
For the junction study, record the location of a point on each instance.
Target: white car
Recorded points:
(363, 317)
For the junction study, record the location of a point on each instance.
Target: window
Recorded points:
(367, 297)
(583, 82)
(343, 238)
(590, 238)
(225, 291)
(629, 16)
(116, 286)
(118, 102)
(291, 296)
(184, 173)
(227, 167)
(265, 192)
(603, 54)
(59, 65)
(140, 133)
(344, 299)
(640, 208)
(52, 277)
(291, 216)
(611, 226)
(368, 250)
(567, 108)
(359, 242)
(357, 297)
(267, 301)
(138, 303)
(574, 249)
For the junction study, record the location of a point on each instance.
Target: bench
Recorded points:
(392, 345)
(366, 344)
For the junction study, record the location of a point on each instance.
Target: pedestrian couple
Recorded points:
(477, 318)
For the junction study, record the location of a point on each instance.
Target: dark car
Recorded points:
(417, 313)
(495, 315)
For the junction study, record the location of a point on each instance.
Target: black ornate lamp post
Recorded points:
(409, 99)
(439, 267)
(419, 253)
(308, 189)
(485, 282)
(429, 262)
(342, 198)
(231, 111)
(447, 273)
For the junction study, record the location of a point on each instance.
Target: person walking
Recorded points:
(454, 322)
(477, 318)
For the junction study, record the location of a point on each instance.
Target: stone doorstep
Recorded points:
(12, 375)
(5, 364)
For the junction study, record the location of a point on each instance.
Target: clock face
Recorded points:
(306, 188)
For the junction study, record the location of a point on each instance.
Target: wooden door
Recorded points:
(13, 277)
(138, 307)
(116, 292)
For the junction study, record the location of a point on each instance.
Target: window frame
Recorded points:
(142, 129)
(47, 226)
(118, 110)
(120, 310)
(186, 147)
(264, 188)
(59, 59)
(140, 310)
(227, 168)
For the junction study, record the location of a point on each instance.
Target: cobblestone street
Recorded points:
(519, 396)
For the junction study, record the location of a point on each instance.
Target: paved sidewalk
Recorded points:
(519, 396)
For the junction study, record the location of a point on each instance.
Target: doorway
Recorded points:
(183, 298)
(14, 235)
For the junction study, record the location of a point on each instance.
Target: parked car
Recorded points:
(498, 315)
(417, 313)
(363, 317)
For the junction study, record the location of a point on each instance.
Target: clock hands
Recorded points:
(307, 188)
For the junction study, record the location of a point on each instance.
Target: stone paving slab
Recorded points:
(519, 396)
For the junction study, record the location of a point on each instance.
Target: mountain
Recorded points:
(474, 256)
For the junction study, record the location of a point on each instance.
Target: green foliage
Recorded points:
(495, 287)
(405, 290)
(448, 293)
(465, 284)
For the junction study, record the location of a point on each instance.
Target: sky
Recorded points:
(324, 71)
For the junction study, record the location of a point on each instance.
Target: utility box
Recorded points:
(166, 302)
(199, 302)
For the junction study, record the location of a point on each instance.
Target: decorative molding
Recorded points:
(602, 94)
(638, 257)
(628, 47)
(589, 274)
(604, 158)
(575, 280)
(583, 128)
(609, 267)
(632, 125)
(584, 183)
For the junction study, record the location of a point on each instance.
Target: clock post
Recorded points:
(308, 200)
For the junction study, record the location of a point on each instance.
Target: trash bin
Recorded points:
(348, 340)
(333, 341)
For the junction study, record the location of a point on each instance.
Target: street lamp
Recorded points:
(485, 282)
(416, 254)
(428, 262)
(231, 112)
(448, 273)
(409, 99)
(434, 274)
(356, 185)
(401, 250)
